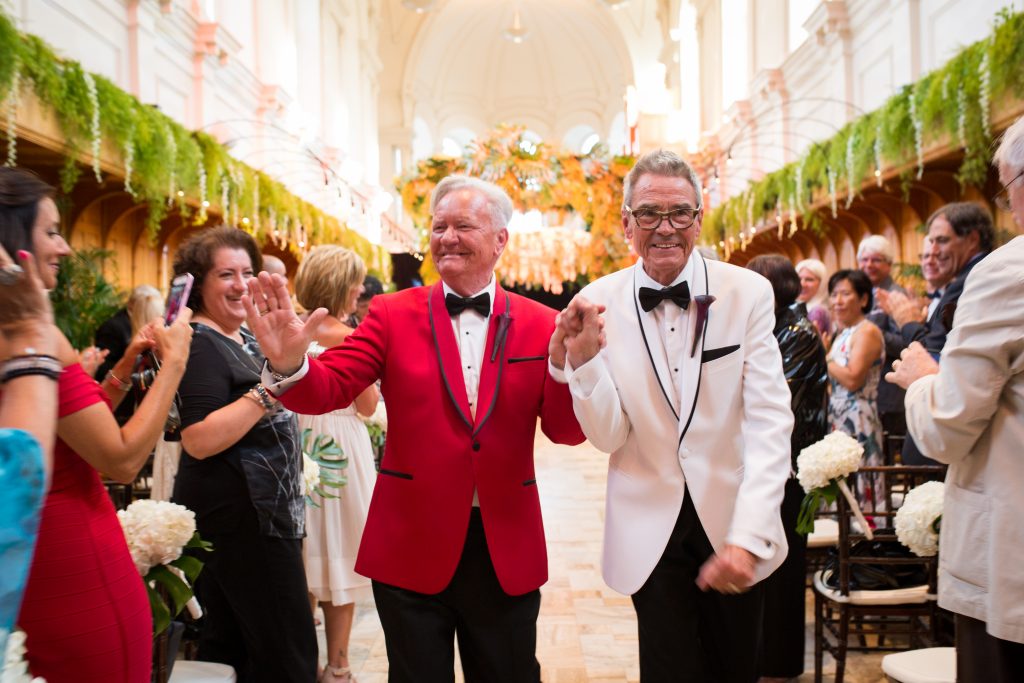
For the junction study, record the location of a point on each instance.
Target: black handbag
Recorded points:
(866, 576)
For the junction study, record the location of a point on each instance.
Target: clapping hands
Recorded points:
(579, 333)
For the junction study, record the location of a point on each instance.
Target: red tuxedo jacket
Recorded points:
(436, 451)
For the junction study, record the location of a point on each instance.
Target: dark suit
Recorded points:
(932, 334)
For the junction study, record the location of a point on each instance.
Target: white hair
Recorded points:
(821, 272)
(497, 198)
(876, 244)
(1011, 149)
(660, 162)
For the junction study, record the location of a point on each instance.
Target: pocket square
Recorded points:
(713, 354)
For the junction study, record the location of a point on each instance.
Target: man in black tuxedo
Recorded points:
(963, 233)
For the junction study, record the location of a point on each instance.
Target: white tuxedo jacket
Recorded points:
(726, 439)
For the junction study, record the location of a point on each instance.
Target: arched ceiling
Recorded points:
(452, 67)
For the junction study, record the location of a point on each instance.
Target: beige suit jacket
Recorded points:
(971, 416)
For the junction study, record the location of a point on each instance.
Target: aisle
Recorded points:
(586, 631)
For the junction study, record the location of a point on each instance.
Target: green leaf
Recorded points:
(161, 616)
(197, 542)
(189, 565)
(178, 590)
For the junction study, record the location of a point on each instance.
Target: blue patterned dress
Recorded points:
(856, 412)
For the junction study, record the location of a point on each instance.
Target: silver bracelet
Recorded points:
(118, 383)
(36, 364)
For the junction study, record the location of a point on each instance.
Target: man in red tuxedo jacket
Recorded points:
(454, 541)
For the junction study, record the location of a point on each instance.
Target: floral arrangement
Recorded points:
(14, 668)
(157, 532)
(322, 462)
(822, 469)
(917, 520)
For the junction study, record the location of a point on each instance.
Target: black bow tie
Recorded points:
(677, 294)
(456, 304)
(937, 294)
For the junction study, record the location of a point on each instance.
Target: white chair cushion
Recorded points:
(825, 534)
(930, 665)
(897, 596)
(186, 671)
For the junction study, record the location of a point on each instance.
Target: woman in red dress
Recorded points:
(85, 611)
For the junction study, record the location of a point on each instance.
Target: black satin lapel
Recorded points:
(700, 371)
(497, 338)
(650, 356)
(440, 359)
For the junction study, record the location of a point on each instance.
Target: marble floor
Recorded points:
(586, 631)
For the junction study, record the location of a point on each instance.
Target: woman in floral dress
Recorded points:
(855, 368)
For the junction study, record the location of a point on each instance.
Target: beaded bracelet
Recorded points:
(119, 384)
(21, 366)
(260, 395)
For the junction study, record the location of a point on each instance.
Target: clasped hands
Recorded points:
(579, 333)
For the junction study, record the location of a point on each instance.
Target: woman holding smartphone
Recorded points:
(241, 473)
(85, 610)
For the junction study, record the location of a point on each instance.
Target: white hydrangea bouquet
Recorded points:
(157, 532)
(322, 463)
(14, 668)
(822, 469)
(918, 519)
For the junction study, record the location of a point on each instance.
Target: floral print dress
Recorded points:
(856, 412)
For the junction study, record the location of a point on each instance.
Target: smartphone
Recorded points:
(181, 287)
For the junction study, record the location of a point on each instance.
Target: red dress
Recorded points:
(85, 610)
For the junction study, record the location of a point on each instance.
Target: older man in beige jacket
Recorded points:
(968, 411)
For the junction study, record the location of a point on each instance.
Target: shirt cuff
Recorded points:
(584, 379)
(760, 548)
(557, 374)
(279, 387)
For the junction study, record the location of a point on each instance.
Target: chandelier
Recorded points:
(516, 33)
(418, 6)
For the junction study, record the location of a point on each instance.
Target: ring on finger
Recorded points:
(732, 588)
(10, 274)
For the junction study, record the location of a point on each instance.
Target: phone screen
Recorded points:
(181, 287)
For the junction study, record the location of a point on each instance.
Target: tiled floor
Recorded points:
(586, 631)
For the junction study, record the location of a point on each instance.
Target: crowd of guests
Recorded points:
(240, 355)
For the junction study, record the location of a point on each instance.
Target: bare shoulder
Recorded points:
(870, 333)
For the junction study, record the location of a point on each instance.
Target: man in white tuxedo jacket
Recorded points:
(689, 398)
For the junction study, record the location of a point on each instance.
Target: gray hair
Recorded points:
(497, 198)
(876, 244)
(1011, 149)
(661, 162)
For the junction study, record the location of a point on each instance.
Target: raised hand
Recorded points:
(583, 329)
(903, 309)
(174, 342)
(26, 319)
(914, 363)
(282, 336)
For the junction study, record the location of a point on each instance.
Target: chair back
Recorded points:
(862, 561)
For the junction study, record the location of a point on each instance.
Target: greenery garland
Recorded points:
(161, 154)
(948, 105)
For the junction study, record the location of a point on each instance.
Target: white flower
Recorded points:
(915, 519)
(15, 667)
(310, 474)
(156, 531)
(837, 455)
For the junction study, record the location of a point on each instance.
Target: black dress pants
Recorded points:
(983, 658)
(497, 632)
(690, 635)
(257, 617)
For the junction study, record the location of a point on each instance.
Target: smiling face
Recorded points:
(664, 250)
(464, 242)
(936, 269)
(847, 305)
(224, 286)
(875, 266)
(809, 284)
(48, 245)
(955, 249)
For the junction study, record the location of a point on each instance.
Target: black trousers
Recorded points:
(253, 592)
(983, 658)
(497, 632)
(689, 635)
(785, 591)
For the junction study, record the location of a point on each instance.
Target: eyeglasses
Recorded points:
(1002, 198)
(649, 219)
